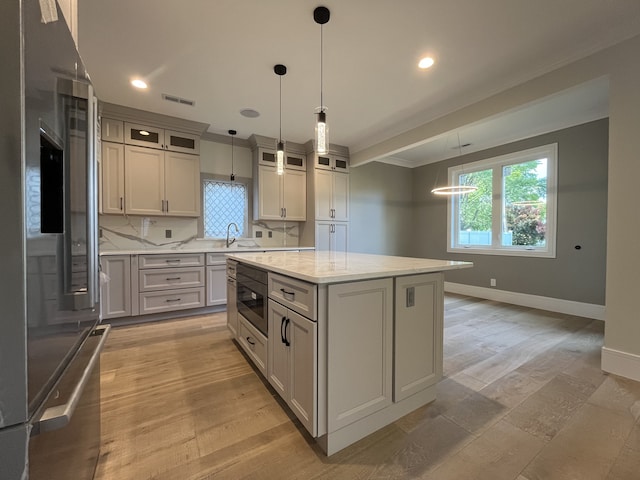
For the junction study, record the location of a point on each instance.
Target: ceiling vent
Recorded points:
(181, 101)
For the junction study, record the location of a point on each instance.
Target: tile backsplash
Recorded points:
(121, 232)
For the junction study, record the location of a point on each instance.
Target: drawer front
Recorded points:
(170, 278)
(254, 343)
(169, 300)
(299, 296)
(173, 260)
(216, 258)
(231, 268)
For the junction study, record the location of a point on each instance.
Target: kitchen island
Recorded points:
(354, 341)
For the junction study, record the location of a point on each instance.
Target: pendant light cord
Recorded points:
(280, 108)
(321, 68)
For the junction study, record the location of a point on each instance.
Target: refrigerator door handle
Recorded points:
(92, 207)
(59, 416)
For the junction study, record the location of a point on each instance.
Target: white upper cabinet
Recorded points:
(332, 162)
(112, 130)
(332, 195)
(161, 183)
(281, 197)
(149, 170)
(278, 197)
(112, 177)
(153, 137)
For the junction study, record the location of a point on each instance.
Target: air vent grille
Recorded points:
(175, 99)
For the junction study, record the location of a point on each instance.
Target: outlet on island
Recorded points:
(493, 282)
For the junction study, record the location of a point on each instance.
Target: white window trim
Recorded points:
(550, 152)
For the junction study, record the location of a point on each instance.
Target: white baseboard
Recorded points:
(621, 363)
(569, 307)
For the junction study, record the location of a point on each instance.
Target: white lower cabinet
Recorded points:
(292, 362)
(359, 350)
(254, 343)
(232, 308)
(216, 285)
(418, 334)
(169, 282)
(116, 290)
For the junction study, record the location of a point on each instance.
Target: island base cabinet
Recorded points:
(359, 350)
(232, 308)
(418, 334)
(253, 343)
(292, 362)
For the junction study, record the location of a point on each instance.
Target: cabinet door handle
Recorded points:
(285, 212)
(173, 299)
(121, 203)
(174, 278)
(167, 206)
(286, 340)
(250, 342)
(282, 330)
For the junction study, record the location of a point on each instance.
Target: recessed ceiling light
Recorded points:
(426, 62)
(138, 83)
(249, 113)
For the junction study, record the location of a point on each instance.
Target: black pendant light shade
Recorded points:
(321, 15)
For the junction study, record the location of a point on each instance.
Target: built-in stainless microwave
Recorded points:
(251, 284)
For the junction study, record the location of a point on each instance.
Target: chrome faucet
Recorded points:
(233, 239)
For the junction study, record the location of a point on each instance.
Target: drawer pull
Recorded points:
(250, 342)
(174, 278)
(287, 293)
(173, 299)
(172, 260)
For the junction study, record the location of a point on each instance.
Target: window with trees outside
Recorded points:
(513, 210)
(224, 202)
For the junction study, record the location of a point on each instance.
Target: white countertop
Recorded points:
(331, 267)
(170, 251)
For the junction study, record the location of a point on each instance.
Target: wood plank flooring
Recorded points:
(523, 398)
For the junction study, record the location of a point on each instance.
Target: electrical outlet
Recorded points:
(493, 282)
(167, 233)
(270, 234)
(258, 234)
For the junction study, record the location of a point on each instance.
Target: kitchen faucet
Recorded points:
(233, 239)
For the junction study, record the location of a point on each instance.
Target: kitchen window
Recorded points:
(224, 202)
(513, 210)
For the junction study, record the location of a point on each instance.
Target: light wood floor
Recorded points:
(523, 398)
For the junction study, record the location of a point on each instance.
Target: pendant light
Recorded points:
(455, 189)
(232, 133)
(321, 16)
(280, 70)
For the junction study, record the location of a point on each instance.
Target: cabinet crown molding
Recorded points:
(128, 114)
(310, 147)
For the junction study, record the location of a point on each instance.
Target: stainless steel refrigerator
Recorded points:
(50, 337)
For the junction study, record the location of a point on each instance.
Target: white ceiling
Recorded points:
(221, 53)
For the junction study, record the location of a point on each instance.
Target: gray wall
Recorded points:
(380, 209)
(577, 275)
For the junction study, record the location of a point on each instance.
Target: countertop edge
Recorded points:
(358, 276)
(226, 251)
